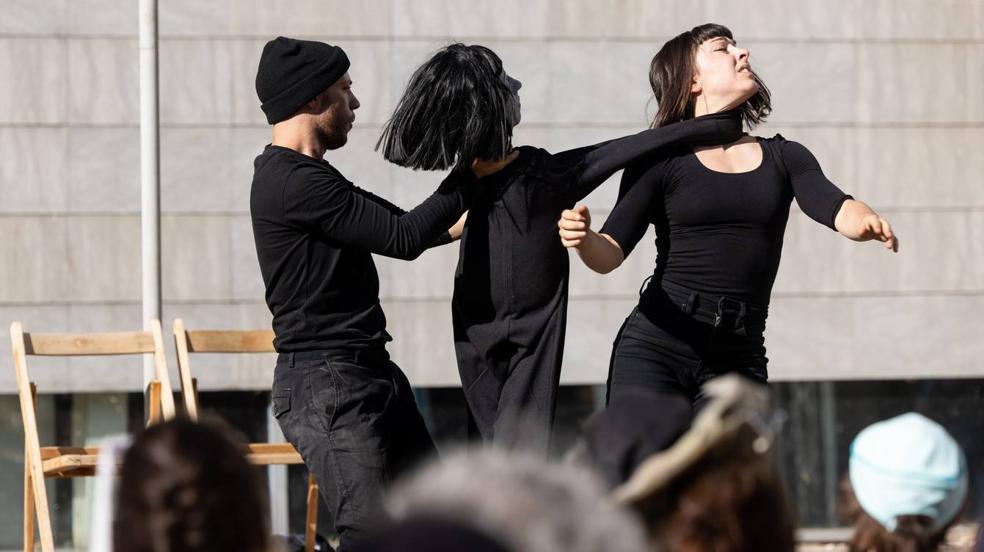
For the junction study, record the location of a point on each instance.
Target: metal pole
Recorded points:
(150, 172)
(278, 481)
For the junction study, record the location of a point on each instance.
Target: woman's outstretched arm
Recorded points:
(857, 221)
(599, 252)
(821, 200)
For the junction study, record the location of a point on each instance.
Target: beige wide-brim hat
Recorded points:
(737, 404)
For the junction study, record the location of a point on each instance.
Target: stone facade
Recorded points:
(887, 93)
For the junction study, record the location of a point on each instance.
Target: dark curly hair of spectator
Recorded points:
(730, 501)
(187, 487)
(912, 533)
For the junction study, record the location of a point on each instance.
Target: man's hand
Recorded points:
(574, 225)
(483, 167)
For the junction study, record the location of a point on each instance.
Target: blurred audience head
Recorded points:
(523, 502)
(425, 533)
(186, 487)
(716, 487)
(906, 485)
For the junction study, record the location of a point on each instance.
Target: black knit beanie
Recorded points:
(293, 72)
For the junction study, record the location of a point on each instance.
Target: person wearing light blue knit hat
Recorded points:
(910, 476)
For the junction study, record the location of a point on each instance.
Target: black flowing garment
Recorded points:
(510, 289)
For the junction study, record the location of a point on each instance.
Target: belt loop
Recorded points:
(719, 315)
(688, 307)
(740, 321)
(290, 359)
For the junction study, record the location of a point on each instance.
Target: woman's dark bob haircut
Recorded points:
(457, 107)
(672, 71)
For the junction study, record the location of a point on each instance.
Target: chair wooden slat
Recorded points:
(80, 344)
(69, 462)
(264, 454)
(48, 453)
(234, 341)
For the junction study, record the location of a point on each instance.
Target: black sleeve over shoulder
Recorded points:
(582, 170)
(382, 202)
(444, 239)
(817, 196)
(351, 217)
(640, 192)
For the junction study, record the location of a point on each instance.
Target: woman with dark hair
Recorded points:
(720, 213)
(187, 487)
(510, 290)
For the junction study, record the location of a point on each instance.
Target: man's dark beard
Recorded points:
(334, 138)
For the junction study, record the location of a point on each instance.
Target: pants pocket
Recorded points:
(280, 402)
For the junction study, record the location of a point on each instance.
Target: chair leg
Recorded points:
(311, 527)
(28, 508)
(154, 403)
(34, 485)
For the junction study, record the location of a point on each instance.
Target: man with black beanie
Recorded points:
(347, 408)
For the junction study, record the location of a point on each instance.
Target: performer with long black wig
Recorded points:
(510, 291)
(720, 213)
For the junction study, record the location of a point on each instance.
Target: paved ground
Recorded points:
(960, 539)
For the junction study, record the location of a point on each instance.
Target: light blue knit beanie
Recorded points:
(908, 465)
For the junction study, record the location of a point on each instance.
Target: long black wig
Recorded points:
(459, 105)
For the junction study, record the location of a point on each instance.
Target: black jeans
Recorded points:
(352, 416)
(670, 343)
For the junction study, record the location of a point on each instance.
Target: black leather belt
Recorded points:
(358, 356)
(719, 311)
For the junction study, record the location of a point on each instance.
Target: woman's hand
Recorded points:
(873, 227)
(599, 252)
(857, 221)
(574, 225)
(483, 167)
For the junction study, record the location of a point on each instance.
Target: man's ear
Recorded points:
(318, 104)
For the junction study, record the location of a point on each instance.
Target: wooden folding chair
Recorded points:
(241, 341)
(70, 461)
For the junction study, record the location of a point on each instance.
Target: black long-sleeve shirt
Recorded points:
(315, 233)
(717, 232)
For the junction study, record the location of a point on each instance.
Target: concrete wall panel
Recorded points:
(32, 253)
(34, 87)
(33, 17)
(196, 250)
(103, 258)
(33, 164)
(104, 170)
(196, 82)
(197, 168)
(103, 17)
(103, 78)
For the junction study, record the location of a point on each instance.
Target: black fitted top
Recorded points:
(721, 233)
(315, 232)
